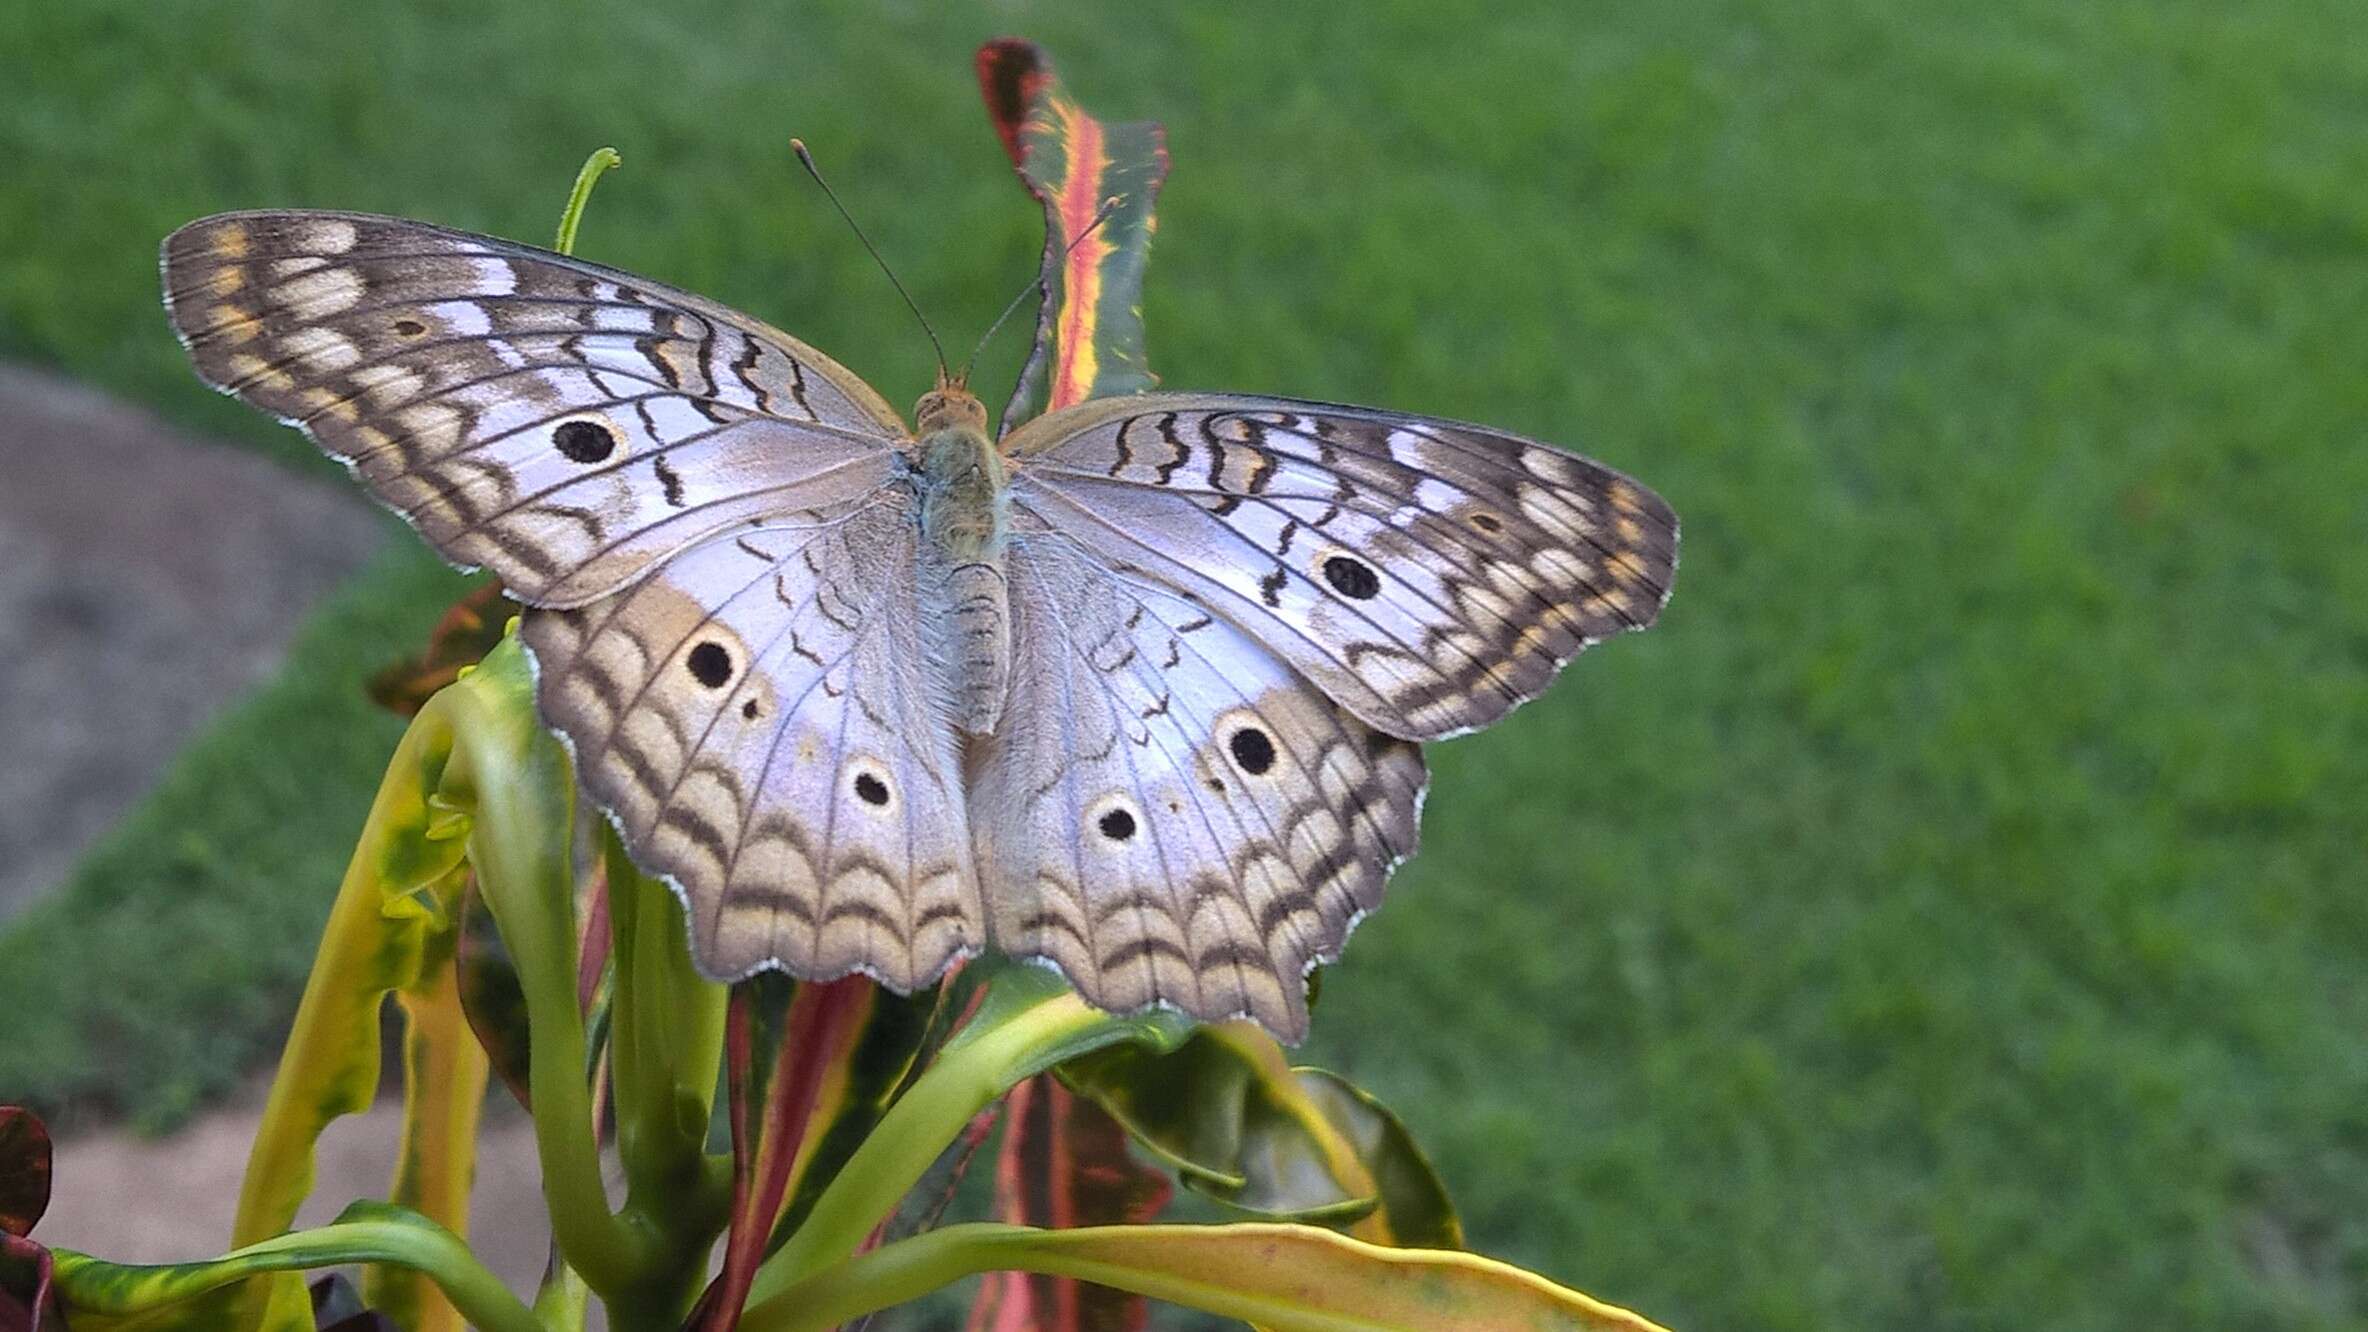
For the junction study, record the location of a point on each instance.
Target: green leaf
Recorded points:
(109, 1297)
(1240, 1125)
(1078, 168)
(400, 888)
(888, 1041)
(1284, 1278)
(666, 1036)
(444, 1075)
(509, 782)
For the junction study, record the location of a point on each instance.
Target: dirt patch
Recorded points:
(146, 579)
(160, 1200)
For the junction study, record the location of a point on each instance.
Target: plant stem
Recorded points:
(525, 808)
(668, 1048)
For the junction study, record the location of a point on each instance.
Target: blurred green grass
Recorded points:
(1950, 918)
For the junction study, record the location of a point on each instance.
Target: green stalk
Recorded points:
(668, 1047)
(525, 805)
(598, 164)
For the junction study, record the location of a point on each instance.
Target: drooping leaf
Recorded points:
(476, 785)
(1064, 1163)
(444, 1074)
(1240, 1125)
(1285, 1278)
(507, 782)
(1079, 168)
(112, 1297)
(400, 888)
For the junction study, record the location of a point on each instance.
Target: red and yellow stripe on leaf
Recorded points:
(1065, 1164)
(1078, 167)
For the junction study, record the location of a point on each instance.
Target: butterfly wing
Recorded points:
(707, 516)
(760, 722)
(1430, 576)
(561, 424)
(1167, 811)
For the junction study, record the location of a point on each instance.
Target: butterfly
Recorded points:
(1136, 690)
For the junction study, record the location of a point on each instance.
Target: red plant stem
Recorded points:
(822, 1017)
(593, 954)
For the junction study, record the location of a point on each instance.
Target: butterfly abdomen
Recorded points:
(961, 480)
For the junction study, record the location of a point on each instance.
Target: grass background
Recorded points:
(1950, 918)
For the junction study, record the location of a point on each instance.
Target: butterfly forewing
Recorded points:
(1430, 576)
(561, 424)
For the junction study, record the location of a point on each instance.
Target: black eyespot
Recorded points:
(1352, 578)
(584, 441)
(710, 664)
(871, 789)
(748, 709)
(1487, 522)
(1117, 825)
(1252, 750)
(410, 328)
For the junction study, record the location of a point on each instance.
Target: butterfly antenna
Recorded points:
(1109, 206)
(806, 159)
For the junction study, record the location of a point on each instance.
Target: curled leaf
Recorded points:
(1240, 1125)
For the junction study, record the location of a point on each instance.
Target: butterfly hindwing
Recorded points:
(1168, 811)
(1430, 576)
(561, 424)
(760, 721)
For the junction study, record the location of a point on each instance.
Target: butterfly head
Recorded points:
(949, 406)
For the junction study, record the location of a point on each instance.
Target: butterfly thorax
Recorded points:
(961, 476)
(961, 480)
